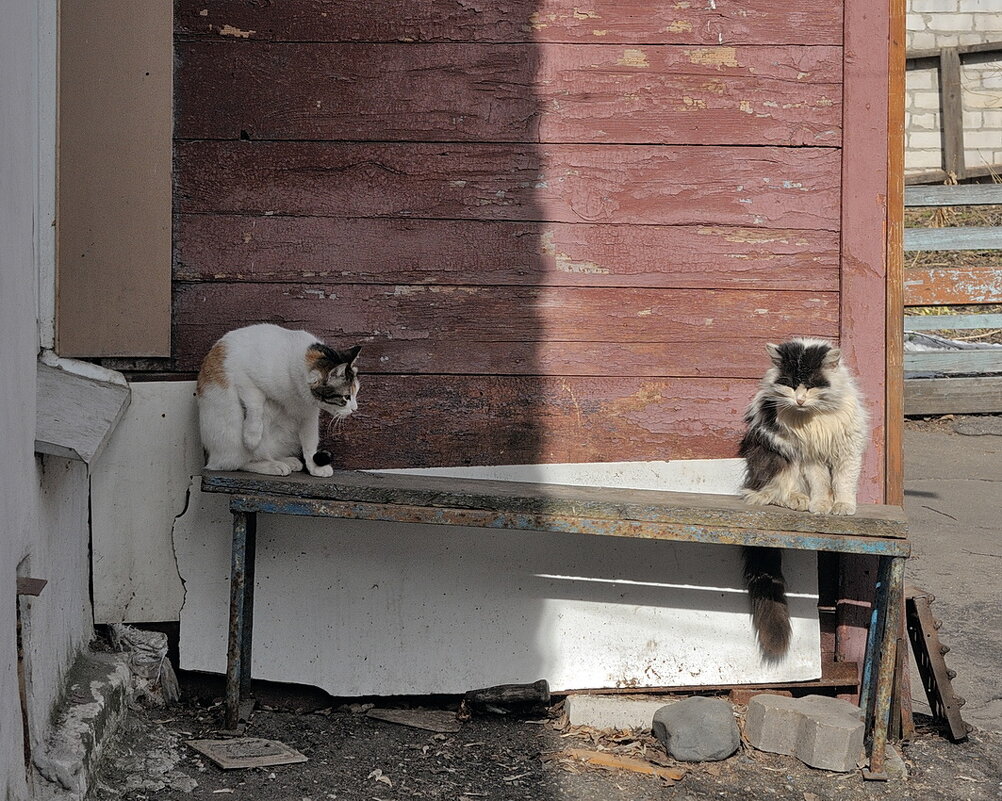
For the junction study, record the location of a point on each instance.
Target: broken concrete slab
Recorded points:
(822, 732)
(97, 697)
(697, 729)
(613, 711)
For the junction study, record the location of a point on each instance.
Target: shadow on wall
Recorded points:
(372, 176)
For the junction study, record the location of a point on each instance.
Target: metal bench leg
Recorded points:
(894, 569)
(238, 654)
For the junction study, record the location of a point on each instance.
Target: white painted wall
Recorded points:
(138, 487)
(368, 608)
(43, 503)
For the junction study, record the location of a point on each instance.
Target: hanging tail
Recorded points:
(763, 568)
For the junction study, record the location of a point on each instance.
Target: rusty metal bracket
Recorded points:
(923, 631)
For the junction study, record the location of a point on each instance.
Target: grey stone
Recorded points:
(697, 729)
(894, 766)
(823, 732)
(612, 711)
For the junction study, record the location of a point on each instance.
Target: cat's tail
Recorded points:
(763, 571)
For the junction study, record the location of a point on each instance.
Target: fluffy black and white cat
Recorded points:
(260, 392)
(803, 449)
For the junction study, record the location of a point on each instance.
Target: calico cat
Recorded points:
(803, 449)
(260, 392)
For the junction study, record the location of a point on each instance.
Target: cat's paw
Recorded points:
(756, 497)
(820, 506)
(843, 508)
(324, 471)
(797, 501)
(295, 465)
(268, 468)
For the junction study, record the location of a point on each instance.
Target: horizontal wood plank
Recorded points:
(754, 186)
(929, 396)
(959, 238)
(938, 176)
(725, 22)
(955, 362)
(515, 330)
(239, 248)
(557, 500)
(960, 195)
(510, 93)
(945, 286)
(951, 322)
(436, 421)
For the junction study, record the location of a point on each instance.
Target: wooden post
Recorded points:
(894, 491)
(952, 111)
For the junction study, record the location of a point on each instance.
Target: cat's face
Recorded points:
(803, 377)
(333, 379)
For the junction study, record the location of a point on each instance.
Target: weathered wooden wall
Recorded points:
(563, 233)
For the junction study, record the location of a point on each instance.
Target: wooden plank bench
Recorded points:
(597, 511)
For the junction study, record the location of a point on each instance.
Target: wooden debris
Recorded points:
(247, 752)
(506, 699)
(605, 759)
(427, 719)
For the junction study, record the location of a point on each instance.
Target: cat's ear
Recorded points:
(353, 352)
(832, 358)
(774, 353)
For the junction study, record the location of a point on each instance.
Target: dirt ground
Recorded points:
(352, 756)
(956, 540)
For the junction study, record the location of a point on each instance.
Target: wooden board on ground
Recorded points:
(437, 720)
(961, 195)
(612, 761)
(247, 752)
(955, 362)
(953, 286)
(930, 396)
(957, 238)
(951, 322)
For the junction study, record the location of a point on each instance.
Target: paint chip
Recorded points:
(718, 57)
(633, 58)
(229, 30)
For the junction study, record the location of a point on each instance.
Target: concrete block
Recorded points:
(950, 23)
(697, 729)
(823, 732)
(97, 697)
(924, 139)
(613, 711)
(921, 79)
(925, 101)
(927, 122)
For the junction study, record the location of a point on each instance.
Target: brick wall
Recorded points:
(945, 23)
